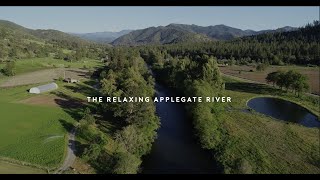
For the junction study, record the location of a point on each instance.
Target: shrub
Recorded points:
(60, 79)
(126, 163)
(9, 69)
(262, 67)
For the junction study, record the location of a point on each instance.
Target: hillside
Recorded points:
(175, 33)
(102, 37)
(300, 47)
(18, 42)
(159, 35)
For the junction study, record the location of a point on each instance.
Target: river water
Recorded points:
(176, 150)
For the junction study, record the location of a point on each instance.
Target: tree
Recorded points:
(288, 79)
(262, 67)
(126, 163)
(92, 152)
(273, 77)
(88, 117)
(300, 83)
(281, 80)
(59, 54)
(9, 69)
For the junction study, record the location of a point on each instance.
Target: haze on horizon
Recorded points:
(115, 18)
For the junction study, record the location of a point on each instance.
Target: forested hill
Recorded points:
(19, 42)
(278, 48)
(177, 33)
(309, 33)
(159, 35)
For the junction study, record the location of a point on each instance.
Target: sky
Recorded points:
(82, 19)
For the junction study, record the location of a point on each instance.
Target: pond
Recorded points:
(284, 110)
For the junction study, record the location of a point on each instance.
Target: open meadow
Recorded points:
(250, 73)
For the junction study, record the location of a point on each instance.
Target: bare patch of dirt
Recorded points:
(52, 101)
(42, 76)
(311, 73)
(41, 100)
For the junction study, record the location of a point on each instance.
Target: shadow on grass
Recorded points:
(67, 125)
(252, 88)
(73, 107)
(91, 82)
(83, 89)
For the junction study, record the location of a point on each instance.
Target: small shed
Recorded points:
(43, 88)
(70, 80)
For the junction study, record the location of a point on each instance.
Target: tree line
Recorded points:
(299, 47)
(125, 74)
(289, 80)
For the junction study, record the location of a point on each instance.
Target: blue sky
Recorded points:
(97, 19)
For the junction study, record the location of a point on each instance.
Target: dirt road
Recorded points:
(70, 157)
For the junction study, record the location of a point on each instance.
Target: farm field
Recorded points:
(266, 145)
(34, 64)
(33, 128)
(311, 72)
(33, 134)
(43, 76)
(8, 168)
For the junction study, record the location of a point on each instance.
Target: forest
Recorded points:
(300, 47)
(125, 74)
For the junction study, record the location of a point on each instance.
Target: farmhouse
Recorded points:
(70, 80)
(43, 88)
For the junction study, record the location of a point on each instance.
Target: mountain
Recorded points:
(159, 35)
(174, 33)
(50, 35)
(19, 42)
(219, 32)
(102, 37)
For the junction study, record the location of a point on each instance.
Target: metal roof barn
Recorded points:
(43, 88)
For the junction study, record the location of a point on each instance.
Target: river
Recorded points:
(176, 150)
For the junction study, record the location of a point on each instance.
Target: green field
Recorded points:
(35, 134)
(34, 64)
(260, 144)
(8, 168)
(31, 133)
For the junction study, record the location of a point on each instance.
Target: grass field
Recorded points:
(33, 128)
(8, 168)
(34, 64)
(311, 72)
(31, 133)
(260, 144)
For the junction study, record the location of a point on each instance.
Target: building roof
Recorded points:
(44, 88)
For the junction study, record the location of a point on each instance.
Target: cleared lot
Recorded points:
(311, 72)
(42, 76)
